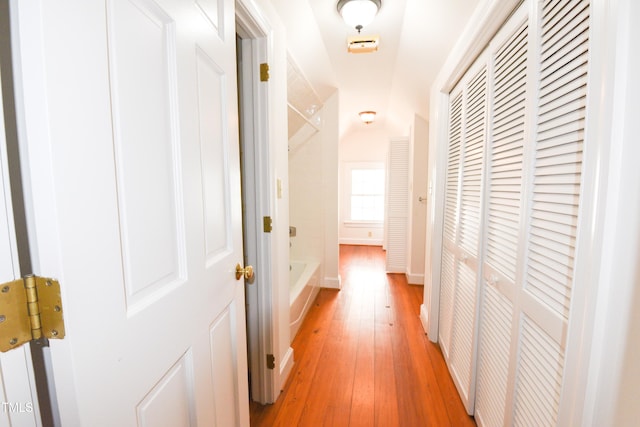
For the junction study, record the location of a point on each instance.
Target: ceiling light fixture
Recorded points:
(358, 13)
(367, 117)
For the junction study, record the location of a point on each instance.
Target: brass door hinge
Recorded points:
(267, 224)
(271, 361)
(264, 72)
(30, 308)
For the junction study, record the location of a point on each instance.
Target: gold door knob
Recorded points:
(246, 272)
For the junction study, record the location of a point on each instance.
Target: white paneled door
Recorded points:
(131, 157)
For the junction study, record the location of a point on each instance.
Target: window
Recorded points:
(367, 194)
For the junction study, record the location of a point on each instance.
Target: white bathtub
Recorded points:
(304, 285)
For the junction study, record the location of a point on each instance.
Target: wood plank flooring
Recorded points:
(362, 358)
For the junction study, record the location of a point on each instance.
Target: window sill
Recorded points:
(363, 224)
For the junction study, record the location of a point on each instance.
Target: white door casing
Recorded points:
(254, 123)
(18, 400)
(134, 201)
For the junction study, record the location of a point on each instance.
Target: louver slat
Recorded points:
(540, 366)
(558, 157)
(507, 139)
(472, 164)
(493, 358)
(453, 170)
(446, 300)
(450, 232)
(463, 199)
(506, 151)
(463, 327)
(553, 216)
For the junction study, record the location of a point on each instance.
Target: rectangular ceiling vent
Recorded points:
(363, 44)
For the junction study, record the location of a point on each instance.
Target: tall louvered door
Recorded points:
(397, 205)
(462, 229)
(504, 203)
(552, 217)
(537, 110)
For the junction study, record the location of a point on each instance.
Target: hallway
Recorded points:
(362, 358)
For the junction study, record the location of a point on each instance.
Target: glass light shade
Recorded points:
(358, 12)
(367, 116)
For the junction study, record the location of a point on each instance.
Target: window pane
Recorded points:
(367, 194)
(367, 181)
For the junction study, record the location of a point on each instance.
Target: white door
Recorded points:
(130, 143)
(18, 401)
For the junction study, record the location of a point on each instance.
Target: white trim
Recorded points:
(396, 269)
(424, 318)
(415, 279)
(286, 364)
(360, 241)
(253, 26)
(17, 378)
(332, 282)
(607, 253)
(363, 224)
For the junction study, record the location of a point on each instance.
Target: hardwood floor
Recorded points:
(362, 358)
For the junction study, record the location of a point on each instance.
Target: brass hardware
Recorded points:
(271, 361)
(247, 272)
(30, 308)
(264, 72)
(267, 224)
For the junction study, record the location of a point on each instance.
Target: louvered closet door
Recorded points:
(397, 205)
(508, 111)
(462, 229)
(545, 298)
(537, 103)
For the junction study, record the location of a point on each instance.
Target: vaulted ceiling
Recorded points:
(415, 38)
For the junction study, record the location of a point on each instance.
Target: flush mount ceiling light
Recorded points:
(358, 13)
(367, 117)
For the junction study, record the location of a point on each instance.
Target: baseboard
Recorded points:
(363, 242)
(332, 282)
(415, 279)
(400, 269)
(424, 318)
(286, 366)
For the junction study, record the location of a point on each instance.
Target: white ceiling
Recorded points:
(415, 38)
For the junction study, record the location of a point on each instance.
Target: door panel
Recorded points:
(211, 119)
(170, 402)
(504, 206)
(143, 176)
(146, 143)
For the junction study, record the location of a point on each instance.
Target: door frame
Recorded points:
(255, 36)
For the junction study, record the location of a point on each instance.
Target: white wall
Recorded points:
(416, 231)
(305, 200)
(369, 145)
(313, 195)
(330, 193)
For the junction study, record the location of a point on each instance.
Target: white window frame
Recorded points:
(348, 168)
